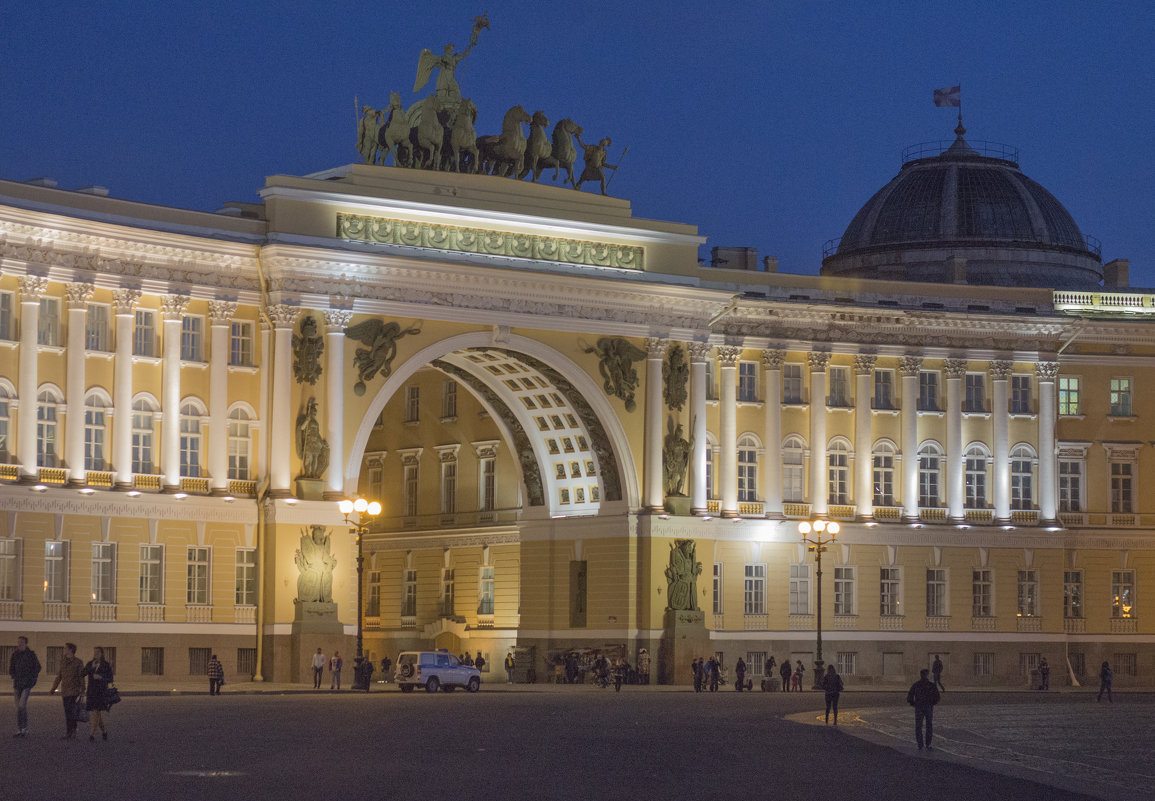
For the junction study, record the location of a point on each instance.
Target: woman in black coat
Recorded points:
(99, 675)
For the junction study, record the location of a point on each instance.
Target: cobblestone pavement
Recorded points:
(1072, 742)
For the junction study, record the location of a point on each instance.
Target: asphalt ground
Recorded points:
(584, 742)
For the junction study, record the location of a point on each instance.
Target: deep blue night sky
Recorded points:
(766, 124)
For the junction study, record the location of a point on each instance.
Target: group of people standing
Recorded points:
(93, 680)
(335, 663)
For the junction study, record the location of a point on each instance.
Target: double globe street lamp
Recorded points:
(817, 546)
(365, 511)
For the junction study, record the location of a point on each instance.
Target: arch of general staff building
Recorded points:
(583, 441)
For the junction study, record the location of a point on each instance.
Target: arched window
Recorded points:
(929, 475)
(883, 466)
(5, 422)
(1022, 477)
(190, 440)
(747, 468)
(143, 431)
(95, 432)
(239, 442)
(838, 472)
(977, 457)
(793, 449)
(46, 428)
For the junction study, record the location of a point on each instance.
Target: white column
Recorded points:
(653, 468)
(281, 426)
(260, 452)
(1001, 444)
(31, 288)
(955, 477)
(699, 447)
(1048, 487)
(172, 306)
(728, 430)
(220, 319)
(863, 445)
(77, 296)
(123, 301)
(819, 502)
(335, 322)
(909, 367)
(772, 403)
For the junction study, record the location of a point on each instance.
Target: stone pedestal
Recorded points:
(315, 625)
(678, 505)
(684, 640)
(310, 489)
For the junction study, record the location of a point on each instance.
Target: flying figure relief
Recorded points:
(381, 337)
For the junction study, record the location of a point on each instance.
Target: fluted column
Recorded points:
(77, 296)
(956, 369)
(172, 306)
(863, 446)
(699, 447)
(728, 429)
(220, 318)
(1001, 441)
(281, 426)
(335, 322)
(909, 367)
(653, 469)
(123, 302)
(1048, 488)
(819, 500)
(31, 288)
(772, 395)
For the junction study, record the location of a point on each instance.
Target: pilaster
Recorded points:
(728, 429)
(699, 446)
(819, 499)
(863, 444)
(123, 302)
(772, 395)
(909, 367)
(336, 320)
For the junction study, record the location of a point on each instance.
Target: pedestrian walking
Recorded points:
(714, 671)
(832, 686)
(1044, 674)
(99, 674)
(936, 670)
(696, 667)
(785, 672)
(23, 668)
(335, 665)
(216, 675)
(643, 666)
(509, 665)
(923, 695)
(71, 685)
(740, 675)
(1106, 677)
(319, 661)
(386, 662)
(799, 672)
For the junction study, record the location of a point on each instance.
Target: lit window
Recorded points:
(1120, 397)
(103, 573)
(1122, 593)
(1069, 399)
(1028, 597)
(1072, 594)
(55, 572)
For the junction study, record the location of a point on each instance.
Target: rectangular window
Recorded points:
(197, 584)
(48, 331)
(1125, 664)
(144, 333)
(409, 491)
(982, 602)
(928, 391)
(577, 594)
(190, 443)
(1122, 593)
(984, 665)
(96, 327)
(717, 588)
(6, 327)
(412, 404)
(449, 399)
(747, 381)
(839, 378)
(448, 592)
(55, 572)
(373, 601)
(9, 569)
(976, 393)
(247, 662)
(1072, 594)
(889, 589)
(151, 661)
(241, 344)
(747, 474)
(1028, 593)
(936, 592)
(1069, 400)
(94, 431)
(1020, 394)
(884, 389)
(1120, 397)
(485, 591)
(52, 656)
(1070, 485)
(792, 383)
(151, 574)
(1028, 663)
(246, 577)
(448, 488)
(488, 470)
(711, 385)
(1122, 497)
(847, 663)
(409, 594)
(799, 589)
(198, 661)
(755, 590)
(755, 663)
(103, 573)
(191, 338)
(238, 445)
(844, 591)
(883, 466)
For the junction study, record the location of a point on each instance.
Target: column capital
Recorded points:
(909, 365)
(864, 363)
(337, 320)
(77, 295)
(31, 288)
(728, 355)
(124, 299)
(283, 315)
(955, 368)
(699, 352)
(818, 360)
(656, 347)
(1001, 369)
(221, 311)
(173, 306)
(772, 359)
(1047, 371)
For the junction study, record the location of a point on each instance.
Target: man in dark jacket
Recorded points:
(24, 668)
(785, 672)
(923, 696)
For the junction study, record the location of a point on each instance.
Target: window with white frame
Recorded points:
(190, 440)
(143, 432)
(412, 404)
(55, 572)
(890, 591)
(844, 581)
(1122, 593)
(1120, 397)
(975, 399)
(1122, 485)
(793, 451)
(982, 597)
(449, 399)
(1069, 397)
(976, 460)
(1022, 477)
(1071, 484)
(929, 475)
(46, 429)
(936, 592)
(246, 577)
(717, 588)
(485, 591)
(928, 391)
(103, 573)
(711, 457)
(755, 590)
(1028, 596)
(197, 576)
(409, 594)
(838, 473)
(192, 328)
(1125, 664)
(487, 479)
(9, 569)
(409, 490)
(144, 333)
(376, 477)
(95, 432)
(792, 383)
(984, 665)
(839, 378)
(882, 465)
(449, 486)
(373, 593)
(5, 423)
(448, 591)
(799, 589)
(1020, 394)
(241, 343)
(755, 663)
(884, 389)
(151, 574)
(96, 327)
(847, 663)
(747, 382)
(1072, 594)
(7, 329)
(747, 469)
(48, 323)
(240, 442)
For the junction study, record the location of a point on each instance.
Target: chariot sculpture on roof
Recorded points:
(448, 92)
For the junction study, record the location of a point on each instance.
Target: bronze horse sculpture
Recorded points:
(537, 147)
(459, 153)
(563, 152)
(504, 154)
(428, 134)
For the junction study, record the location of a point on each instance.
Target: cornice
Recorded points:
(466, 538)
(159, 507)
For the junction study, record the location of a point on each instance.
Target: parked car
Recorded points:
(433, 670)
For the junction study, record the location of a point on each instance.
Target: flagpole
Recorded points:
(960, 124)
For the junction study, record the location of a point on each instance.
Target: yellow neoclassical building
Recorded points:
(583, 439)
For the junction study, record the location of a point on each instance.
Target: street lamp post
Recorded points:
(359, 525)
(818, 546)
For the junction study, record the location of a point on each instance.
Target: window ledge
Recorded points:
(1072, 417)
(411, 423)
(11, 344)
(887, 412)
(979, 415)
(1111, 418)
(198, 365)
(450, 419)
(249, 369)
(756, 404)
(107, 355)
(1023, 416)
(931, 413)
(795, 405)
(141, 359)
(50, 348)
(847, 409)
